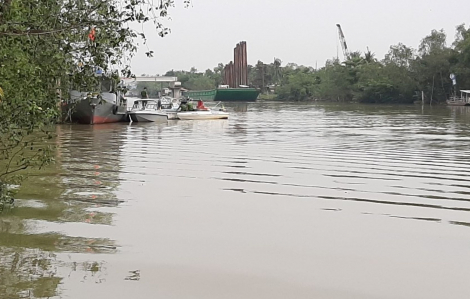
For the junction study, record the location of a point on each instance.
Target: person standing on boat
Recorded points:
(144, 95)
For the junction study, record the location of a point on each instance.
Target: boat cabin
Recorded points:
(144, 104)
(162, 103)
(463, 100)
(168, 103)
(465, 95)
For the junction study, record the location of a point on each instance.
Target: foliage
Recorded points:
(195, 80)
(299, 86)
(266, 76)
(460, 58)
(200, 83)
(398, 78)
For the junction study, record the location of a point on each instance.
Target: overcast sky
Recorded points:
(299, 31)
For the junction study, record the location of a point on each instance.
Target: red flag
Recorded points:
(91, 35)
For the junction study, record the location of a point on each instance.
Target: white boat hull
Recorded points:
(194, 115)
(172, 115)
(146, 116)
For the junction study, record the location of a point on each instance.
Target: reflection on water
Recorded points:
(283, 200)
(27, 274)
(239, 107)
(83, 178)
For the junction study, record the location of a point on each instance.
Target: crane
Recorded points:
(343, 42)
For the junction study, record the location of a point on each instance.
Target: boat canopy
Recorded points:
(148, 101)
(150, 79)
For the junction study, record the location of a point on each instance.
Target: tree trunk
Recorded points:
(432, 90)
(263, 89)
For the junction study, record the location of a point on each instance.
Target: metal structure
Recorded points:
(236, 72)
(342, 40)
(150, 79)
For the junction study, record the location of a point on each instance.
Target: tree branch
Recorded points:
(39, 32)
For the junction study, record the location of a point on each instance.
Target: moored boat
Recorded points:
(235, 77)
(241, 94)
(106, 106)
(195, 115)
(153, 110)
(202, 112)
(95, 111)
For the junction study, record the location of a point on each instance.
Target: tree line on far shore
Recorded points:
(402, 76)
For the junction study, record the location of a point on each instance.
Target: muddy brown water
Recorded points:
(283, 200)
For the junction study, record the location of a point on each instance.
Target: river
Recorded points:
(283, 200)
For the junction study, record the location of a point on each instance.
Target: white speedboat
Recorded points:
(151, 111)
(199, 114)
(202, 112)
